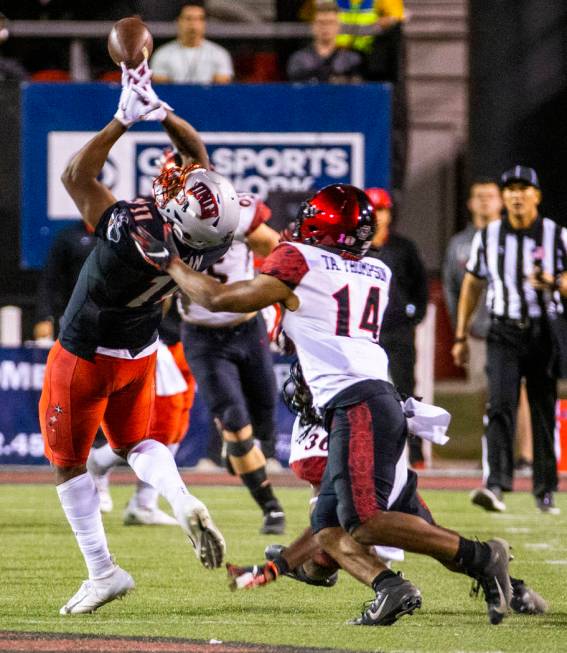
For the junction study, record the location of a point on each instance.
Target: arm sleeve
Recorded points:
(476, 264)
(287, 264)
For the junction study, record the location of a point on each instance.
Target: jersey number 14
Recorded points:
(370, 315)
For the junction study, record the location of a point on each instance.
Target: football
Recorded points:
(130, 42)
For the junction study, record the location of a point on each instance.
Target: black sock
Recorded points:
(472, 556)
(261, 490)
(383, 575)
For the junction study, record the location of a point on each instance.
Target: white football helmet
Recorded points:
(201, 205)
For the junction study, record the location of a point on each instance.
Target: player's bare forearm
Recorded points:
(471, 290)
(80, 176)
(89, 160)
(186, 140)
(240, 297)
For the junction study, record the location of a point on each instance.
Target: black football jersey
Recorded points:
(116, 302)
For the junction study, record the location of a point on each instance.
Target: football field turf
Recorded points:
(40, 568)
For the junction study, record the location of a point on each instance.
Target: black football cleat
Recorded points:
(395, 598)
(525, 600)
(488, 498)
(495, 581)
(274, 523)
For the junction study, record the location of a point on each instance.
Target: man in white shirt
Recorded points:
(191, 58)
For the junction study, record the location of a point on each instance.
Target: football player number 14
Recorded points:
(369, 320)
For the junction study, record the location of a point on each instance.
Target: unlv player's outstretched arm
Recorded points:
(240, 297)
(186, 140)
(91, 197)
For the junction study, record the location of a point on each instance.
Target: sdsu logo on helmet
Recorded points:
(340, 216)
(201, 205)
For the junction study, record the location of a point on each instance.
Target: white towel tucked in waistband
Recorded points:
(427, 421)
(169, 380)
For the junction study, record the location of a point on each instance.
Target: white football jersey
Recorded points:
(308, 442)
(236, 265)
(337, 325)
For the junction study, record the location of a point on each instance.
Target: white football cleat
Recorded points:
(207, 540)
(105, 500)
(135, 515)
(94, 593)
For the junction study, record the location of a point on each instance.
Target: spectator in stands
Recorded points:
(485, 205)
(365, 18)
(191, 58)
(407, 303)
(65, 259)
(323, 61)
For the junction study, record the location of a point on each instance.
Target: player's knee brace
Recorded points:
(239, 448)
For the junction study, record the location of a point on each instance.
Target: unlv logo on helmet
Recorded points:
(207, 201)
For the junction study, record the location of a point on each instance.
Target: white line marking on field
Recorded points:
(556, 562)
(538, 545)
(518, 529)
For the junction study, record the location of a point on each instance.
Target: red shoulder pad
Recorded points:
(287, 264)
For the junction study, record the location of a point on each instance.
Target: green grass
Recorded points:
(40, 568)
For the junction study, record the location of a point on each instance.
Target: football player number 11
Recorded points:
(370, 315)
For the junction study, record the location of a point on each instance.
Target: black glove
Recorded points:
(158, 253)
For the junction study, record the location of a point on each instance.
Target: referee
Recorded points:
(513, 255)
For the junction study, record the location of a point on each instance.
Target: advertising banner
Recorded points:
(21, 379)
(265, 138)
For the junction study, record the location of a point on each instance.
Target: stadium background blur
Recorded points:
(486, 88)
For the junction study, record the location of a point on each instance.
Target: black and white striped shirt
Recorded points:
(506, 257)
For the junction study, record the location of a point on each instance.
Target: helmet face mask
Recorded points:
(201, 206)
(340, 217)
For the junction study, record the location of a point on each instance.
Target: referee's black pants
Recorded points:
(514, 352)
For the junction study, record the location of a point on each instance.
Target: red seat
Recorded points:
(110, 76)
(258, 67)
(51, 75)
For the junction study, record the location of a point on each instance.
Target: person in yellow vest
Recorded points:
(364, 18)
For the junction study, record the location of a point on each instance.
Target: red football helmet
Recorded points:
(339, 216)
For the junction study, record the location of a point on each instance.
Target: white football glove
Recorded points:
(142, 78)
(138, 101)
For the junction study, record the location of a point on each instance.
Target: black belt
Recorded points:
(522, 324)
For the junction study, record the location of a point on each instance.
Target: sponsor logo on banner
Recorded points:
(21, 375)
(254, 162)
